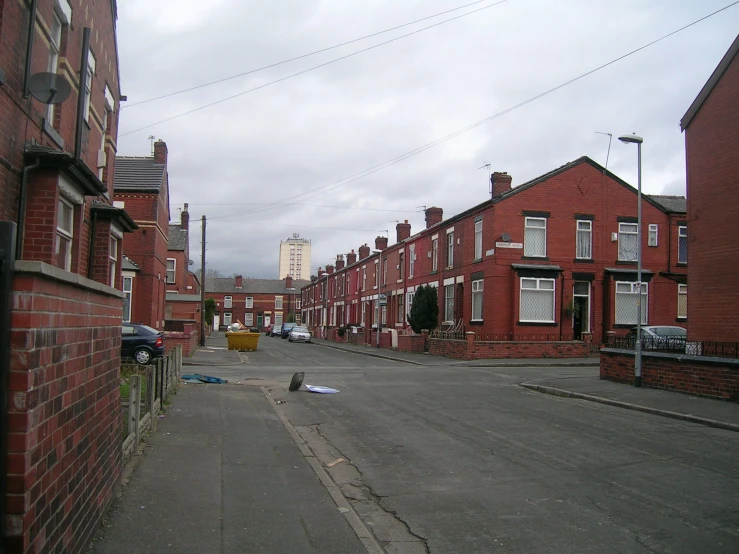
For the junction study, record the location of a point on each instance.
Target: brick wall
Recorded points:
(456, 349)
(690, 374)
(475, 350)
(188, 340)
(411, 343)
(64, 441)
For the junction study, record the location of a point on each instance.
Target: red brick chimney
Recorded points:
(434, 216)
(403, 230)
(339, 262)
(351, 258)
(321, 273)
(185, 219)
(330, 269)
(160, 152)
(288, 281)
(364, 252)
(239, 281)
(380, 243)
(500, 182)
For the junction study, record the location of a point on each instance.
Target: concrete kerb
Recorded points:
(629, 406)
(368, 353)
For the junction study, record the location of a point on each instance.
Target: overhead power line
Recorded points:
(224, 79)
(379, 167)
(309, 205)
(222, 100)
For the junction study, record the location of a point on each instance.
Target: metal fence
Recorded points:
(536, 337)
(677, 345)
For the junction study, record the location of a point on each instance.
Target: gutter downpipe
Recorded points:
(561, 304)
(22, 203)
(29, 49)
(93, 234)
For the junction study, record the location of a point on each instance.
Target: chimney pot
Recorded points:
(239, 281)
(351, 258)
(339, 262)
(185, 219)
(403, 231)
(288, 282)
(329, 269)
(364, 252)
(434, 216)
(380, 243)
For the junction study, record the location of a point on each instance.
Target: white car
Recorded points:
(661, 337)
(299, 334)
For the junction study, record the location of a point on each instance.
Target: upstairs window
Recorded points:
(227, 301)
(535, 237)
(450, 249)
(64, 234)
(584, 240)
(435, 254)
(278, 302)
(411, 260)
(55, 41)
(682, 244)
(249, 302)
(401, 265)
(171, 271)
(653, 229)
(88, 84)
(627, 241)
(478, 239)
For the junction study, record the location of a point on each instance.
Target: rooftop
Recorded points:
(138, 174)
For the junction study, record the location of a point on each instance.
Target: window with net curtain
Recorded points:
(535, 237)
(449, 303)
(627, 242)
(477, 290)
(627, 308)
(584, 240)
(537, 300)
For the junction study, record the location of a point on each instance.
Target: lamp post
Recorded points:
(634, 139)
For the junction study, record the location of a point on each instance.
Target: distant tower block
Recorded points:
(295, 258)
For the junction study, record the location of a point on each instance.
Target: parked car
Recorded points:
(286, 327)
(299, 334)
(141, 342)
(268, 329)
(661, 337)
(276, 331)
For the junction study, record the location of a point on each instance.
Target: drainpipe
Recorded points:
(561, 304)
(22, 202)
(29, 48)
(93, 227)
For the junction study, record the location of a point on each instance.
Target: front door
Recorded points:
(216, 320)
(580, 310)
(267, 320)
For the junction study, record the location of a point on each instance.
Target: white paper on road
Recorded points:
(322, 390)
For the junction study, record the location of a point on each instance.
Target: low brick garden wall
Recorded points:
(183, 332)
(701, 376)
(411, 343)
(471, 349)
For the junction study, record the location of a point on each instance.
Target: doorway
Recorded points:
(580, 309)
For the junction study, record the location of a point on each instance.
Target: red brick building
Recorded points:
(141, 187)
(63, 453)
(553, 257)
(255, 302)
(711, 127)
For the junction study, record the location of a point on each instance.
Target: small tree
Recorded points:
(210, 310)
(290, 318)
(424, 310)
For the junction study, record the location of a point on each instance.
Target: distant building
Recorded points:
(295, 258)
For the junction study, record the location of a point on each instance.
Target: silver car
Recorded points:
(299, 334)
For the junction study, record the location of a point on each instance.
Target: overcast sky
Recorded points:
(259, 149)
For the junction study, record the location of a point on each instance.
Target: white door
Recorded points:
(216, 321)
(267, 320)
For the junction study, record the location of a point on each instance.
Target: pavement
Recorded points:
(423, 454)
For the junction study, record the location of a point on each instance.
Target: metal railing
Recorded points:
(677, 345)
(536, 337)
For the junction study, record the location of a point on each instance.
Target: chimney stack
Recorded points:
(288, 281)
(160, 152)
(351, 258)
(330, 269)
(500, 183)
(339, 262)
(403, 230)
(185, 219)
(380, 243)
(321, 273)
(239, 281)
(433, 216)
(364, 252)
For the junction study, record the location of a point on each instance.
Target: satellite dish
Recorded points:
(49, 88)
(506, 237)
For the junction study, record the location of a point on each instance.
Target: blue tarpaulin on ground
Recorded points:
(195, 377)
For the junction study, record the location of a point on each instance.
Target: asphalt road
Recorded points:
(470, 462)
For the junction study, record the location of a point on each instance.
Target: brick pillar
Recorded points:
(470, 335)
(100, 250)
(425, 336)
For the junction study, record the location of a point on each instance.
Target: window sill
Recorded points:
(477, 322)
(476, 260)
(53, 134)
(433, 272)
(627, 325)
(536, 324)
(681, 319)
(584, 261)
(626, 262)
(539, 258)
(682, 264)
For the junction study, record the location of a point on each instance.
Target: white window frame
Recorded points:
(55, 42)
(478, 239)
(278, 302)
(682, 301)
(113, 259)
(682, 236)
(227, 318)
(530, 228)
(63, 234)
(171, 280)
(409, 296)
(364, 278)
(538, 281)
(384, 272)
(477, 294)
(228, 302)
(249, 319)
(298, 304)
(411, 260)
(435, 254)
(449, 303)
(401, 310)
(584, 239)
(377, 274)
(450, 249)
(633, 287)
(622, 233)
(586, 328)
(88, 84)
(653, 239)
(278, 318)
(128, 292)
(249, 302)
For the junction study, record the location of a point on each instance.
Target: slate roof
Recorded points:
(138, 174)
(253, 286)
(673, 204)
(174, 297)
(129, 265)
(178, 238)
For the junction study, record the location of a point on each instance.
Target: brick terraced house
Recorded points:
(551, 259)
(62, 456)
(255, 302)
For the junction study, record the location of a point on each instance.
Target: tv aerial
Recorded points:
(49, 88)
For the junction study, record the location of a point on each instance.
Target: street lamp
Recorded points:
(634, 139)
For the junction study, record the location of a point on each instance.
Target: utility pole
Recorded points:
(202, 288)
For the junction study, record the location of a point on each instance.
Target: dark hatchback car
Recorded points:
(286, 328)
(141, 342)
